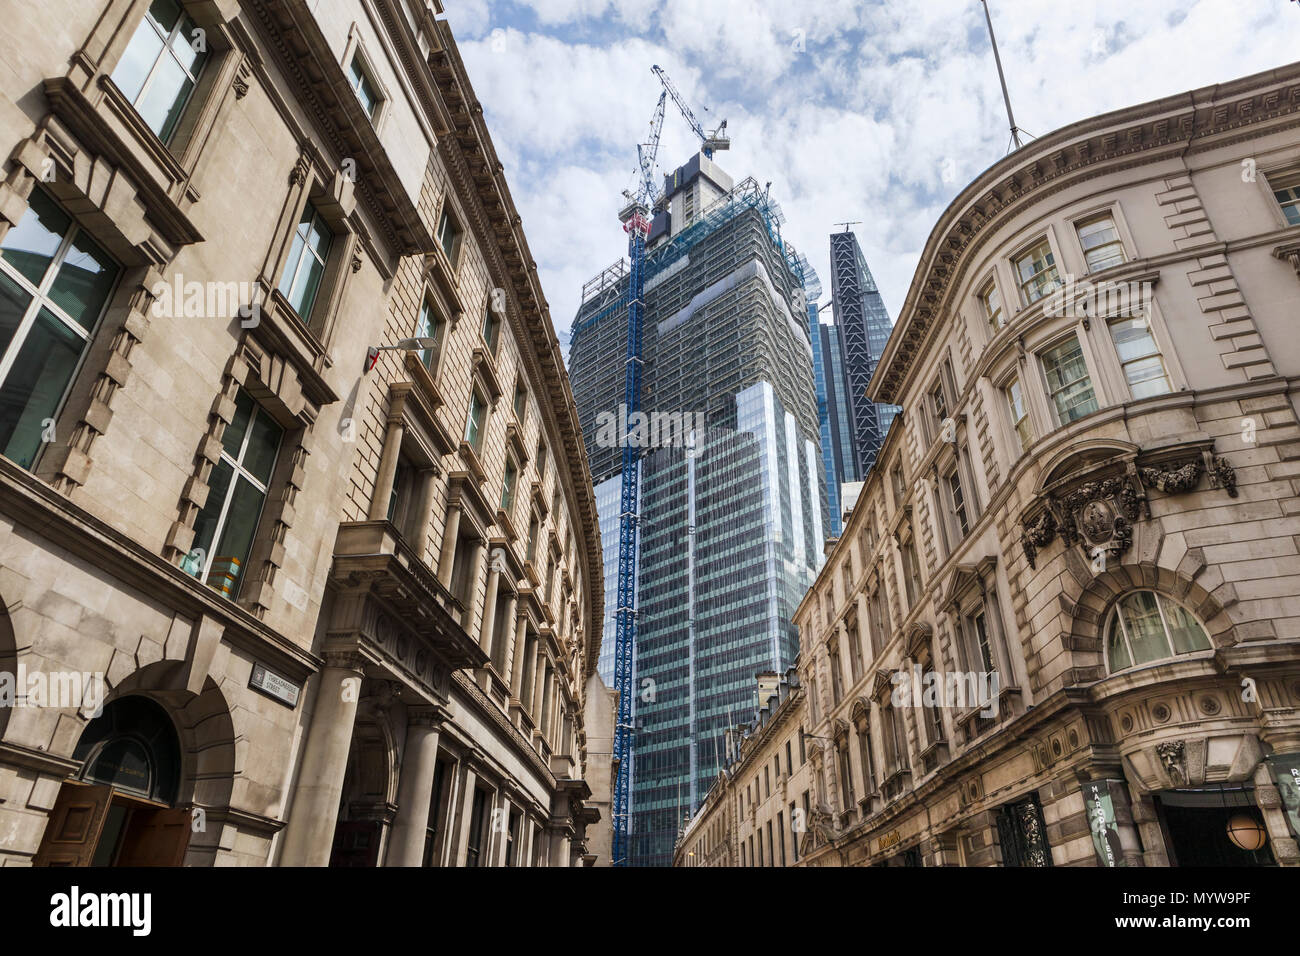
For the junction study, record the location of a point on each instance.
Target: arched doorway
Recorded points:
(119, 810)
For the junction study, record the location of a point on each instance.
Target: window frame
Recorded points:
(994, 321)
(447, 218)
(1115, 615)
(40, 300)
(1144, 319)
(325, 262)
(1040, 357)
(1091, 219)
(195, 78)
(1026, 252)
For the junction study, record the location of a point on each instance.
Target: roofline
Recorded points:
(1155, 130)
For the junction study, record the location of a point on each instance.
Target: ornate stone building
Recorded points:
(1062, 624)
(298, 547)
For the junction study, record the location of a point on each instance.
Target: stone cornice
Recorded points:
(30, 502)
(304, 56)
(472, 162)
(1139, 135)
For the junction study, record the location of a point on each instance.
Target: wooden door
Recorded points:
(356, 843)
(155, 836)
(74, 826)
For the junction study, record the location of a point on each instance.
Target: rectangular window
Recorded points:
(521, 401)
(864, 754)
(1144, 368)
(54, 285)
(161, 66)
(474, 422)
(1288, 197)
(938, 409)
(794, 832)
(991, 300)
(474, 844)
(1068, 381)
(508, 485)
(306, 264)
(846, 778)
(780, 829)
(448, 235)
(512, 836)
(1036, 272)
(981, 643)
(431, 326)
(837, 689)
(958, 501)
(896, 479)
(365, 88)
(911, 573)
(534, 526)
(491, 329)
(237, 489)
(1019, 415)
(1102, 247)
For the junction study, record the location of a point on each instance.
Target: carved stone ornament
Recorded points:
(1099, 513)
(1173, 755)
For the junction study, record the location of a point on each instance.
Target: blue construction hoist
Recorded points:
(636, 219)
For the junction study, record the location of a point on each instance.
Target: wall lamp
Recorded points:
(402, 345)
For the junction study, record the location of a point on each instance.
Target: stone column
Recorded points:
(450, 535)
(559, 848)
(309, 835)
(489, 607)
(465, 817)
(424, 511)
(387, 471)
(517, 655)
(415, 789)
(507, 632)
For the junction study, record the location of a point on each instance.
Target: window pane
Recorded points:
(35, 386)
(164, 14)
(30, 246)
(303, 295)
(1067, 379)
(182, 47)
(13, 303)
(1147, 377)
(1184, 632)
(140, 56)
(205, 525)
(1116, 649)
(83, 282)
(228, 564)
(318, 234)
(259, 457)
(233, 437)
(1146, 633)
(1132, 339)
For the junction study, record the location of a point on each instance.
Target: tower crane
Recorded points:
(636, 219)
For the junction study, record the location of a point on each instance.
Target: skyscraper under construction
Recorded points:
(732, 487)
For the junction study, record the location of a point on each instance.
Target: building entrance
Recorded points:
(120, 809)
(1200, 826)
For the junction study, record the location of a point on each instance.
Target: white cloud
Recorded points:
(889, 109)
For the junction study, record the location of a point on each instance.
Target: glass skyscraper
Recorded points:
(731, 526)
(863, 325)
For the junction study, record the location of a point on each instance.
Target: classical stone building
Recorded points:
(762, 802)
(1062, 624)
(279, 587)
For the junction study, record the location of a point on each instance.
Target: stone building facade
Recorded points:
(1062, 624)
(278, 587)
(762, 802)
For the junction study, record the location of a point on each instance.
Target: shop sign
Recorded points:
(1101, 821)
(1286, 773)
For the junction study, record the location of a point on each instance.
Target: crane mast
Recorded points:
(636, 219)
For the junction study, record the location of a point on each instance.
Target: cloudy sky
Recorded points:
(871, 110)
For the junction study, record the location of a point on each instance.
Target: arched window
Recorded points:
(132, 746)
(1145, 626)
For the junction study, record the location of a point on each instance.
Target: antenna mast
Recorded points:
(1006, 97)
